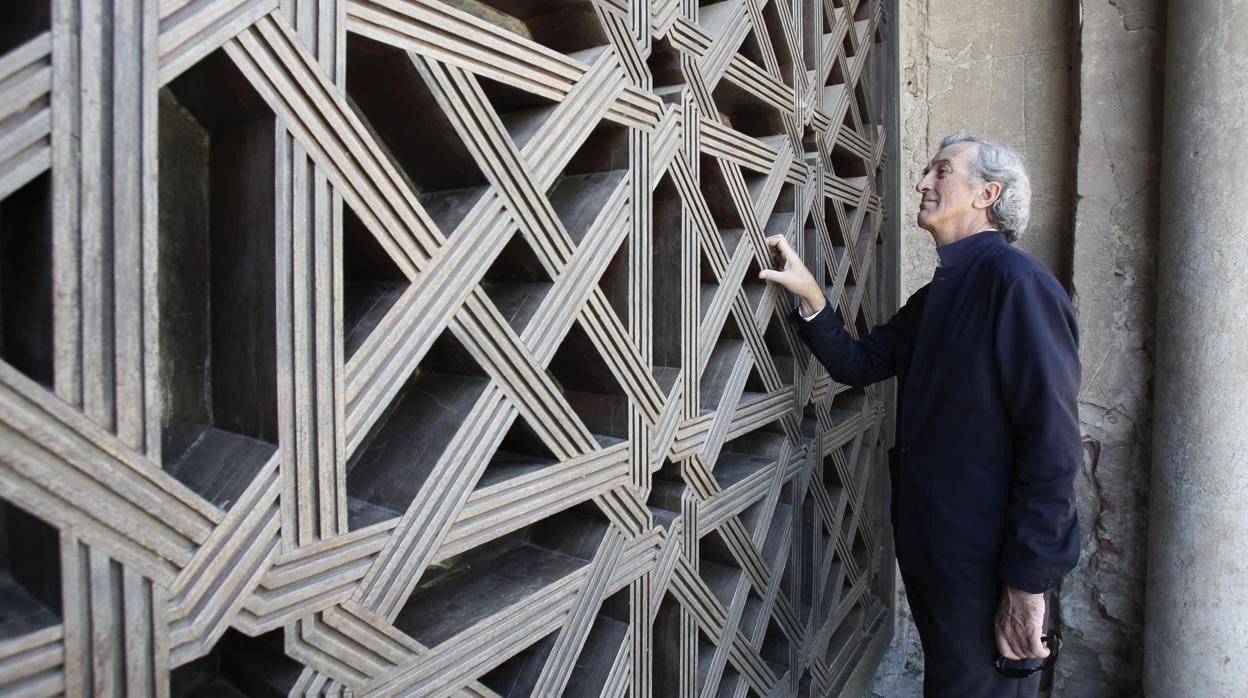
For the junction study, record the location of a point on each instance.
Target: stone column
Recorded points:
(1196, 613)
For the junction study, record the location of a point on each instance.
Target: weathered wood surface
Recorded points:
(416, 347)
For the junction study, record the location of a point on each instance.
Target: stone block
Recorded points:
(983, 96)
(1046, 109)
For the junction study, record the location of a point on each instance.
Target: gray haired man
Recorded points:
(988, 441)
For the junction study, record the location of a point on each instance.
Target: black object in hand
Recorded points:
(1022, 668)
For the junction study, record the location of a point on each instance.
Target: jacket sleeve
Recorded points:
(1037, 356)
(861, 362)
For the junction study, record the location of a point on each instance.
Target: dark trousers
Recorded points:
(959, 646)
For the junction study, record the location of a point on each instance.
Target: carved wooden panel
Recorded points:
(416, 347)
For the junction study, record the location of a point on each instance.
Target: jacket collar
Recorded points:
(958, 253)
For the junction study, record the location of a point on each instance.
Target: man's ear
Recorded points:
(988, 195)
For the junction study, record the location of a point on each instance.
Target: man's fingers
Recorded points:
(776, 276)
(794, 277)
(781, 245)
(1035, 646)
(1020, 643)
(1003, 647)
(785, 279)
(789, 252)
(1011, 650)
(1001, 630)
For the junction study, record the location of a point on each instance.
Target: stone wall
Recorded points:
(1075, 87)
(1115, 226)
(1001, 69)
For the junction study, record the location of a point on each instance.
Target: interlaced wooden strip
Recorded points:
(416, 347)
(26, 120)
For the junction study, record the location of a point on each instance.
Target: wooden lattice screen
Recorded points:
(416, 347)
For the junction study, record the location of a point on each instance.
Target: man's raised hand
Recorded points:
(794, 276)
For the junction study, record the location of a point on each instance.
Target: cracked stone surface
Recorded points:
(1116, 218)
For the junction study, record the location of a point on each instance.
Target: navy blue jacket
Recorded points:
(988, 441)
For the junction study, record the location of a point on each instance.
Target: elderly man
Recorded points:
(988, 440)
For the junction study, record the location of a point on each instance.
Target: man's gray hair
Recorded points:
(998, 163)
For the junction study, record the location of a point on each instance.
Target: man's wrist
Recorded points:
(809, 307)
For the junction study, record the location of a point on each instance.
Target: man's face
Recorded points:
(947, 188)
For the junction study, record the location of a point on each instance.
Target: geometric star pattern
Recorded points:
(416, 347)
